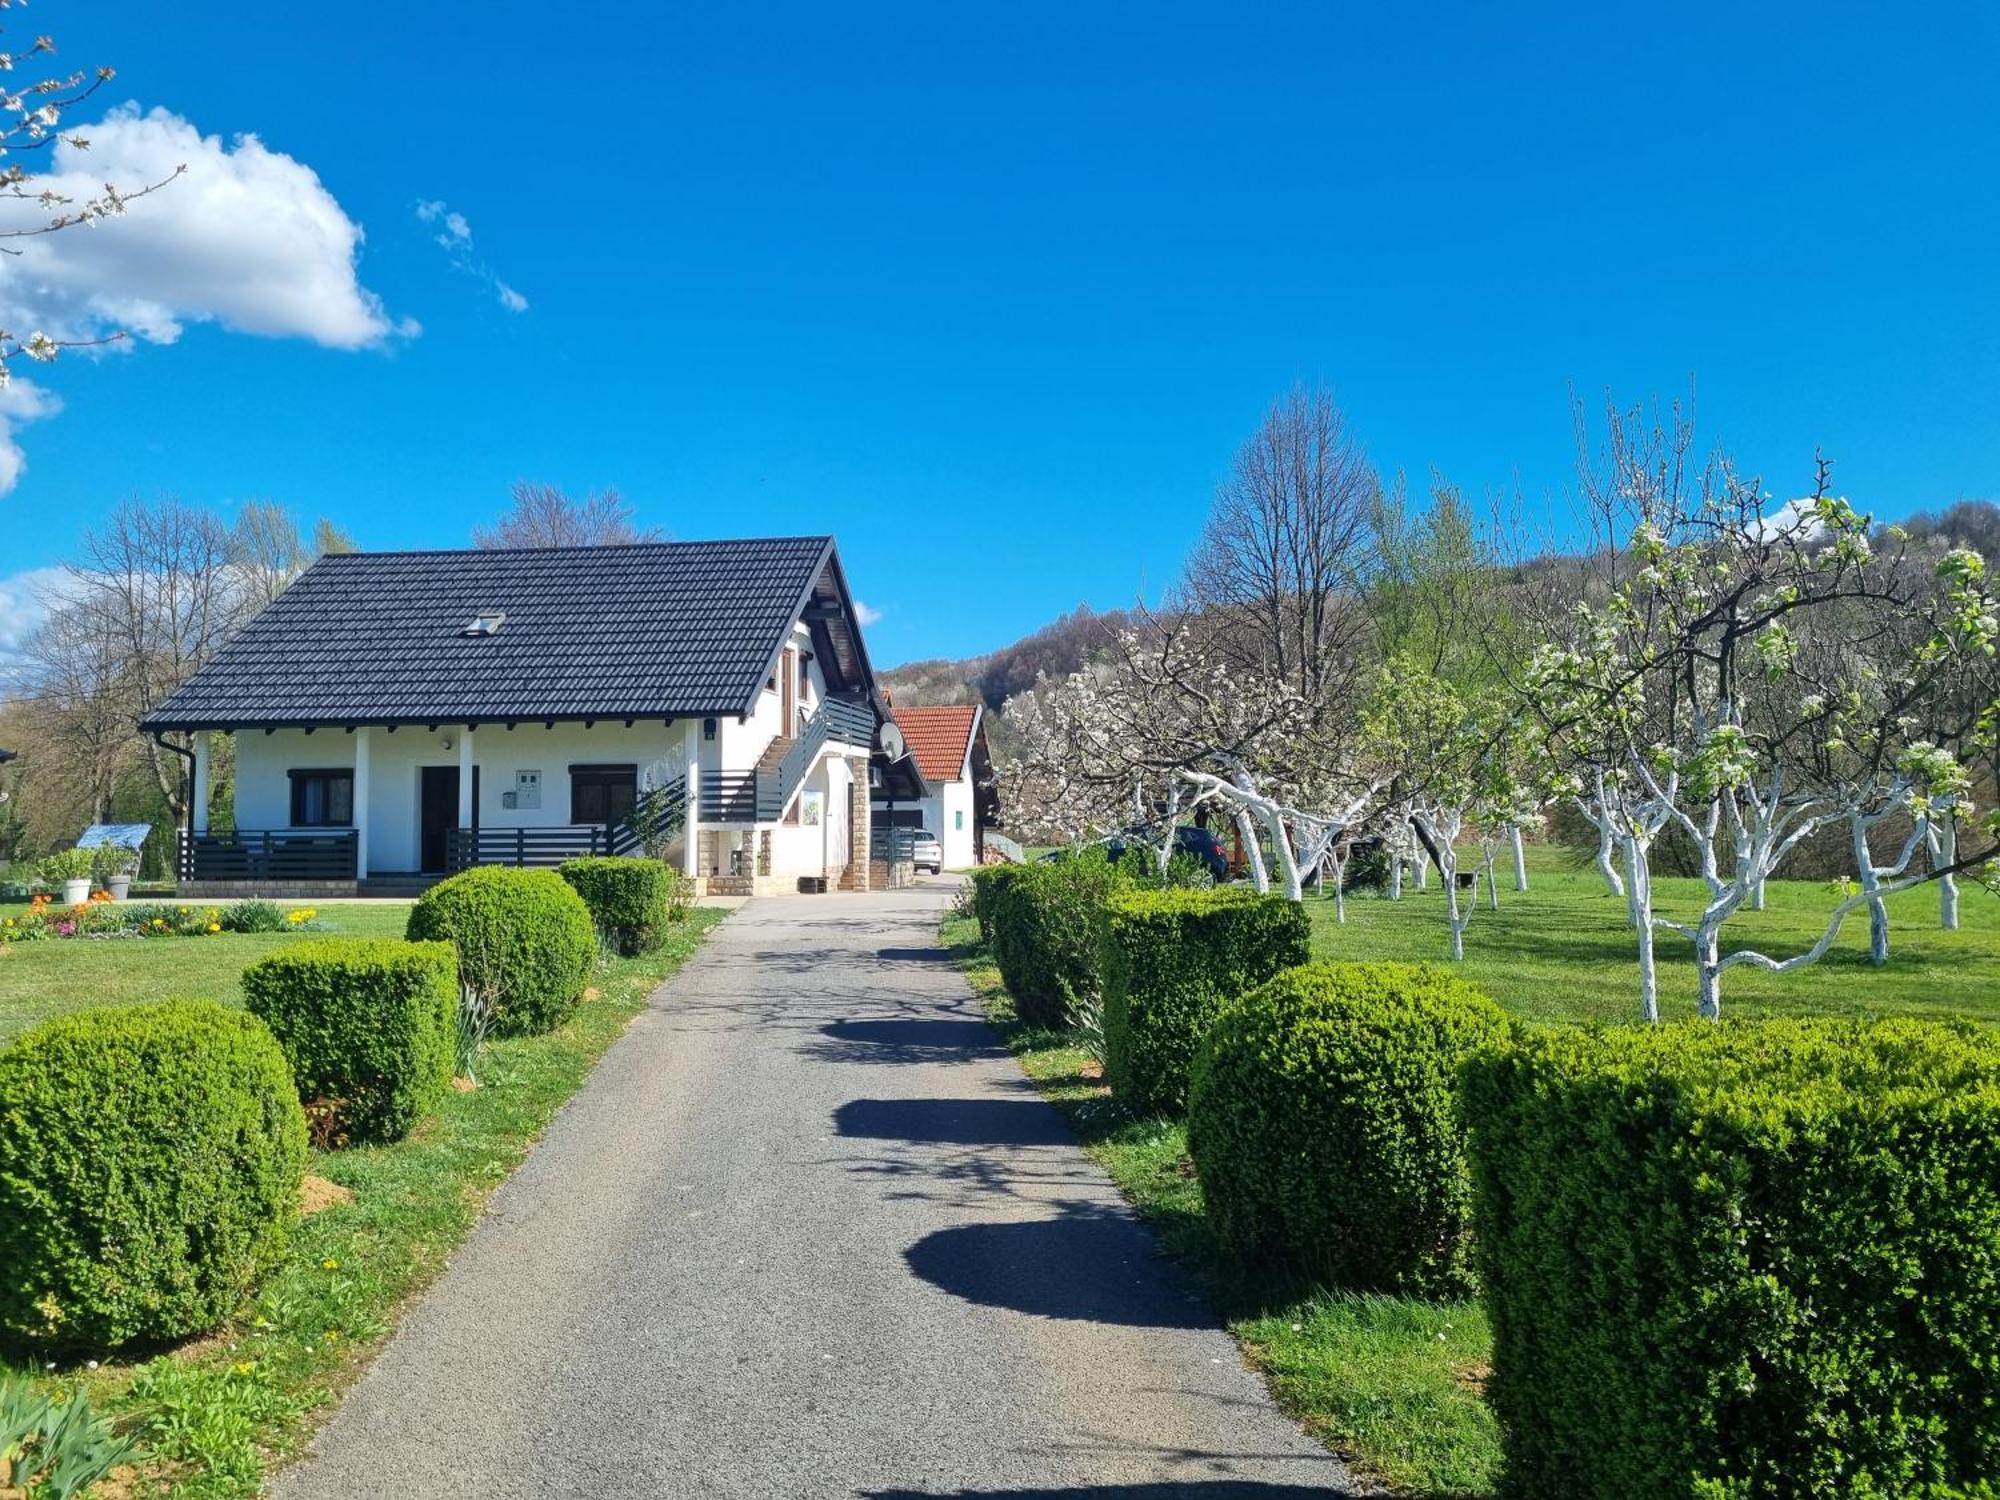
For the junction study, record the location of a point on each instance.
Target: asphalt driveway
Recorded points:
(809, 1232)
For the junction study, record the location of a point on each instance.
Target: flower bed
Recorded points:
(102, 918)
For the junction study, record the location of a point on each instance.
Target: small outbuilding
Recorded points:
(961, 801)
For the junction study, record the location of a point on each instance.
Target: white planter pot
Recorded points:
(120, 887)
(76, 892)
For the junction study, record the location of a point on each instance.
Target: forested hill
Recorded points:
(1065, 644)
(1057, 649)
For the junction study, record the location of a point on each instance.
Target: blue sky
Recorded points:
(993, 294)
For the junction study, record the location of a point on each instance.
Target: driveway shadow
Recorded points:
(908, 1041)
(915, 955)
(1086, 1265)
(954, 1122)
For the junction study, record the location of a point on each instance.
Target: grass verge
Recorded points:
(1391, 1383)
(214, 1417)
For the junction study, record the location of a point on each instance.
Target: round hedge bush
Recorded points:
(524, 939)
(1324, 1123)
(150, 1162)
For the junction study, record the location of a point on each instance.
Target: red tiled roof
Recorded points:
(938, 737)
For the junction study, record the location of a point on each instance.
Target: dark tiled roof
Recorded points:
(938, 735)
(650, 630)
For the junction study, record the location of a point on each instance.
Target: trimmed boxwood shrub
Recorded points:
(524, 940)
(988, 881)
(1171, 960)
(628, 898)
(150, 1161)
(368, 1025)
(1324, 1124)
(1045, 935)
(1755, 1259)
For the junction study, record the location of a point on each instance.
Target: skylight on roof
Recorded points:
(486, 624)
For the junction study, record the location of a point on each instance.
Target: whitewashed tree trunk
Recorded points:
(1636, 856)
(1337, 858)
(1600, 819)
(1871, 887)
(1246, 831)
(1641, 888)
(1492, 885)
(1944, 852)
(1708, 970)
(1423, 866)
(1395, 876)
(1450, 878)
(1520, 857)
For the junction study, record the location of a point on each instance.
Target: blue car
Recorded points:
(1199, 842)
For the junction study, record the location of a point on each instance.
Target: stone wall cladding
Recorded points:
(269, 890)
(855, 876)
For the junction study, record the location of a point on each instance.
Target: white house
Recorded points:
(948, 743)
(398, 715)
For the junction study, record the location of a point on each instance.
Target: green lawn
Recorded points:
(1562, 952)
(44, 979)
(214, 1417)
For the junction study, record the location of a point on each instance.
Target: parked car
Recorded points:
(1198, 842)
(926, 853)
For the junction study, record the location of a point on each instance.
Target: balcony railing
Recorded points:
(466, 847)
(268, 854)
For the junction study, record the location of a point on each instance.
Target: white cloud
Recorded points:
(454, 236)
(1795, 519)
(20, 401)
(247, 237)
(867, 614)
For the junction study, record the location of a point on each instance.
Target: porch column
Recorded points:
(361, 803)
(691, 752)
(198, 793)
(465, 778)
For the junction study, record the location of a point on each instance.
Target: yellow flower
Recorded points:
(215, 927)
(329, 1265)
(333, 1335)
(245, 1366)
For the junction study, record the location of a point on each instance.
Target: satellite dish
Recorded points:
(891, 743)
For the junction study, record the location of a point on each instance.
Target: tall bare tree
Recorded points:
(543, 515)
(267, 551)
(160, 589)
(1287, 546)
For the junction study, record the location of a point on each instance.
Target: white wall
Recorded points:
(263, 789)
(954, 825)
(396, 758)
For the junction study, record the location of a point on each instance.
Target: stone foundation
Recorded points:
(268, 890)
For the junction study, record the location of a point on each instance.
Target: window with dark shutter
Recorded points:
(323, 799)
(602, 794)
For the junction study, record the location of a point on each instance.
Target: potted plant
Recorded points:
(115, 868)
(69, 870)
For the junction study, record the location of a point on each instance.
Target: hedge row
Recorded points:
(1046, 935)
(1755, 1259)
(1170, 961)
(1761, 1259)
(368, 1026)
